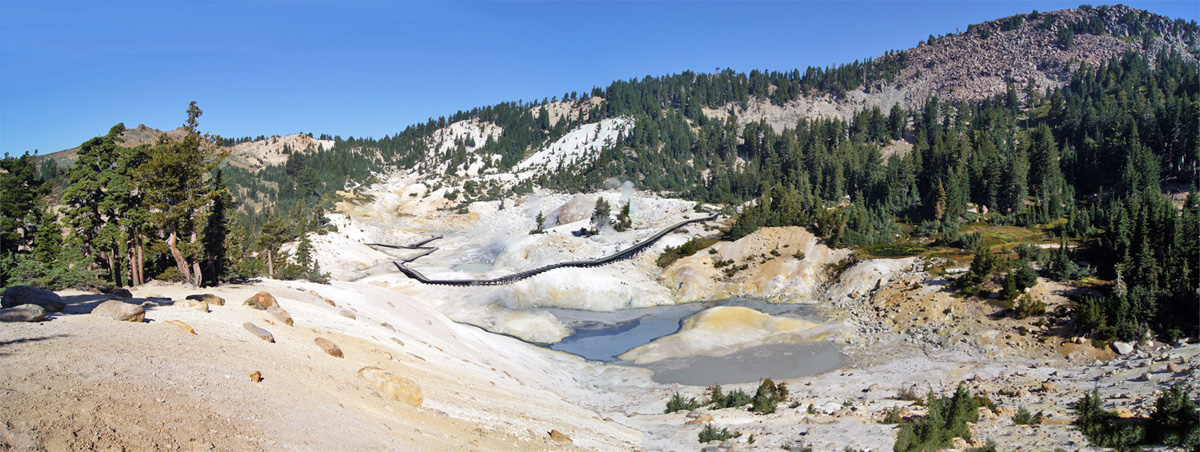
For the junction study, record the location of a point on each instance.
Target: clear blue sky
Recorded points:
(70, 70)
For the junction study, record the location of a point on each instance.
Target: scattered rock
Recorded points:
(560, 437)
(19, 295)
(261, 333)
(348, 314)
(280, 314)
(23, 313)
(261, 301)
(1174, 368)
(181, 325)
(256, 376)
(123, 293)
(386, 325)
(1148, 376)
(1122, 348)
(392, 387)
(328, 346)
(198, 305)
(120, 310)
(208, 298)
(398, 341)
(1049, 387)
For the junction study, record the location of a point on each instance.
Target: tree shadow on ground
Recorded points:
(84, 304)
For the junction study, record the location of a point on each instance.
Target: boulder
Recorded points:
(1122, 348)
(23, 313)
(120, 310)
(261, 301)
(579, 208)
(280, 314)
(1123, 413)
(261, 333)
(181, 325)
(198, 305)
(391, 386)
(1174, 368)
(123, 293)
(328, 347)
(1049, 387)
(560, 437)
(19, 295)
(209, 298)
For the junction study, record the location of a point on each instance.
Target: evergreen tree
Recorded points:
(173, 180)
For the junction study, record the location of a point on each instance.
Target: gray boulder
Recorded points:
(123, 293)
(1122, 348)
(23, 313)
(19, 295)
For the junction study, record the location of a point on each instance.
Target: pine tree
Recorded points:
(173, 180)
(623, 221)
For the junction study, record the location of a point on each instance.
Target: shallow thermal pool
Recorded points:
(603, 336)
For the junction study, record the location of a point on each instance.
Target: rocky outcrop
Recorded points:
(261, 301)
(392, 387)
(779, 263)
(579, 208)
(120, 310)
(19, 295)
(723, 330)
(23, 313)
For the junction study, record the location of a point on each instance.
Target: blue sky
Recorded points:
(70, 70)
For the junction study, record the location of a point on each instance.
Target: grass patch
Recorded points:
(672, 254)
(893, 250)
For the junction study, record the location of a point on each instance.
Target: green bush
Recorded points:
(768, 396)
(1097, 425)
(1024, 417)
(1027, 307)
(733, 399)
(678, 403)
(710, 433)
(947, 419)
(1175, 421)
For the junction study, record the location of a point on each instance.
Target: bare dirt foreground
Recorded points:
(78, 381)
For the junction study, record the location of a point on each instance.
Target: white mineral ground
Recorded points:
(81, 382)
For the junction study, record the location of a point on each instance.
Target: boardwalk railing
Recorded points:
(508, 279)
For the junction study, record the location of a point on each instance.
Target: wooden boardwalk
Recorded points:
(509, 279)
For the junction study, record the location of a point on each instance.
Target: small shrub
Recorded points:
(891, 416)
(710, 433)
(1175, 421)
(1024, 417)
(678, 403)
(947, 419)
(1027, 307)
(910, 393)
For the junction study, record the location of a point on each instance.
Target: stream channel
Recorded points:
(603, 336)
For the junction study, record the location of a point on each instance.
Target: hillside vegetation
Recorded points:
(1081, 123)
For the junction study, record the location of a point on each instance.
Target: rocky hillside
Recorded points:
(1043, 48)
(980, 62)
